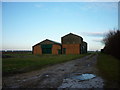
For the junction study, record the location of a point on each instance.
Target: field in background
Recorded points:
(19, 63)
(109, 69)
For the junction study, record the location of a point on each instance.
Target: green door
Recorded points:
(59, 51)
(46, 48)
(46, 51)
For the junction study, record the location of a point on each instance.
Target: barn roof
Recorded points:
(84, 42)
(72, 34)
(48, 40)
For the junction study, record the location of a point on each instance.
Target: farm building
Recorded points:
(84, 47)
(47, 47)
(73, 44)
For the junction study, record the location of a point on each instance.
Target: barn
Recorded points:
(73, 44)
(47, 47)
(84, 47)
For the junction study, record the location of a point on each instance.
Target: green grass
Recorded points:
(109, 69)
(19, 63)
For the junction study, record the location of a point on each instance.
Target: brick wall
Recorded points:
(55, 48)
(71, 48)
(37, 49)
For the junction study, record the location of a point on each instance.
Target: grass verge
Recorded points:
(109, 69)
(20, 63)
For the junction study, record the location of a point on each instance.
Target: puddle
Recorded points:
(83, 76)
(79, 80)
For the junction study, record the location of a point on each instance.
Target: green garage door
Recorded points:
(46, 48)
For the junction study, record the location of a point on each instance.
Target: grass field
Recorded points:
(109, 69)
(19, 63)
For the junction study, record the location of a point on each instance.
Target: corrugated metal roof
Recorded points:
(48, 40)
(72, 34)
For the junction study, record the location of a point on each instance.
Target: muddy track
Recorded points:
(56, 75)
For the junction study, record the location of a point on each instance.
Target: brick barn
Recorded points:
(71, 44)
(47, 47)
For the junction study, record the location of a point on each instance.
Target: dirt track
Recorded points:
(56, 75)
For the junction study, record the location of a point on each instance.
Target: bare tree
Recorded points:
(112, 43)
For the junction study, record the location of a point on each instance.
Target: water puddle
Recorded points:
(79, 80)
(83, 76)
